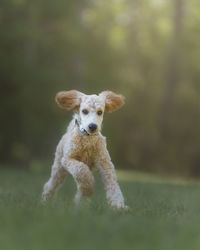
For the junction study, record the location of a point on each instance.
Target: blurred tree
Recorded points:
(173, 74)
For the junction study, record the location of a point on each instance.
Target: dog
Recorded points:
(83, 147)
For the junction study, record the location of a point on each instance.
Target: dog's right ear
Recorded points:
(69, 99)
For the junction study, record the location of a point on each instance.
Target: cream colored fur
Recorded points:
(80, 150)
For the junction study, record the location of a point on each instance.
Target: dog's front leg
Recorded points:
(109, 179)
(82, 175)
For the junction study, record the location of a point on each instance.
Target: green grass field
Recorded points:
(165, 215)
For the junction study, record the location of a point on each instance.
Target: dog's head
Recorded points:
(89, 108)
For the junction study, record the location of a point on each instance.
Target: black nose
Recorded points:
(92, 127)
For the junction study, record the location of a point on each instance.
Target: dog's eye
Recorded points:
(99, 112)
(85, 111)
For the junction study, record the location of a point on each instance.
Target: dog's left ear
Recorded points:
(112, 101)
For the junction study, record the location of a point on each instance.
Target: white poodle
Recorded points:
(83, 147)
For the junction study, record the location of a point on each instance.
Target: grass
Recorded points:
(164, 216)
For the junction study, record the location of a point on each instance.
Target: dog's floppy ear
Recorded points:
(68, 99)
(112, 101)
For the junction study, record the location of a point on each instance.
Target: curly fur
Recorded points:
(78, 153)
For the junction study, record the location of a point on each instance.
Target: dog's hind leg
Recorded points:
(58, 174)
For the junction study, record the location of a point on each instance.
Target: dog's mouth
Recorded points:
(84, 131)
(90, 133)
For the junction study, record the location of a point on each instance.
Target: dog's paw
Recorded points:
(120, 207)
(44, 198)
(123, 208)
(126, 208)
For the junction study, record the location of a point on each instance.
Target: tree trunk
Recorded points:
(172, 77)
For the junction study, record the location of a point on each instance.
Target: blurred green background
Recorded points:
(147, 50)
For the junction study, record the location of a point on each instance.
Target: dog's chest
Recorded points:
(85, 150)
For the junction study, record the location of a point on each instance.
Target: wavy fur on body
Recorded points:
(81, 149)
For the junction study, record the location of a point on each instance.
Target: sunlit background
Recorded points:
(147, 50)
